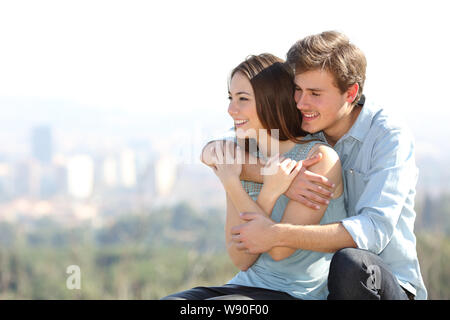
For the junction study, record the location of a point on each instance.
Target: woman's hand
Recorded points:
(279, 174)
(227, 162)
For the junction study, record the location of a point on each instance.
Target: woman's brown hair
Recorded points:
(272, 81)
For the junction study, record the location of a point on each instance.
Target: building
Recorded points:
(41, 144)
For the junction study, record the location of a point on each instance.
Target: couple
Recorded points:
(343, 229)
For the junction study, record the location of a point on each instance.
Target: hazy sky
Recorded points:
(162, 57)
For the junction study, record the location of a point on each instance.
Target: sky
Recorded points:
(165, 59)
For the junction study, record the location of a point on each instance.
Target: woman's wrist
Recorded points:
(230, 183)
(269, 193)
(267, 200)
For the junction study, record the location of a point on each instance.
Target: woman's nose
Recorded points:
(232, 109)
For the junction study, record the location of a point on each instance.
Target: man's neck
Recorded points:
(342, 126)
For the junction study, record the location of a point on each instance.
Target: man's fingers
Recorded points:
(238, 244)
(321, 191)
(311, 196)
(312, 160)
(248, 215)
(318, 178)
(306, 202)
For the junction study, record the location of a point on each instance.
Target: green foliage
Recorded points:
(434, 256)
(138, 256)
(150, 255)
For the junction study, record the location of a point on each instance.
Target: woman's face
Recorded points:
(242, 107)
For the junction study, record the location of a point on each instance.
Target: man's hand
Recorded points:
(310, 189)
(258, 235)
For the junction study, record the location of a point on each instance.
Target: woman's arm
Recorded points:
(228, 170)
(299, 214)
(238, 201)
(301, 190)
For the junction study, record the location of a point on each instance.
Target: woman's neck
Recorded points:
(270, 146)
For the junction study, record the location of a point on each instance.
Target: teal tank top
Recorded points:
(303, 274)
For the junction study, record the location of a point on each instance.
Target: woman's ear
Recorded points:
(352, 92)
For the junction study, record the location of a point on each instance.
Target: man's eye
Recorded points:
(229, 97)
(315, 94)
(298, 89)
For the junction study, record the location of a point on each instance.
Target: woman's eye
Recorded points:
(229, 97)
(243, 99)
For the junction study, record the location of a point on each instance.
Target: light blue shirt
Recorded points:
(380, 176)
(304, 274)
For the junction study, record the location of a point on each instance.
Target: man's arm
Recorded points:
(321, 238)
(391, 177)
(298, 214)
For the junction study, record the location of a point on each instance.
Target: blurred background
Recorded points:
(104, 108)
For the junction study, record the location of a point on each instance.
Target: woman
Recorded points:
(261, 93)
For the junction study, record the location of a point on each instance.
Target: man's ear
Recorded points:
(352, 92)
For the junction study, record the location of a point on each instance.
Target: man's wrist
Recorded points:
(281, 235)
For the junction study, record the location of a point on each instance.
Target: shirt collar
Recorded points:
(362, 124)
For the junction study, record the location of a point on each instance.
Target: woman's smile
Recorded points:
(240, 123)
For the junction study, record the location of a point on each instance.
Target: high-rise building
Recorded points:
(109, 171)
(128, 168)
(41, 144)
(165, 175)
(80, 176)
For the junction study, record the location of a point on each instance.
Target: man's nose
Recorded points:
(301, 102)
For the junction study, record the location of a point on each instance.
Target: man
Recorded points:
(375, 246)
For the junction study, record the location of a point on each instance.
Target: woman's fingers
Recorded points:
(297, 168)
(290, 165)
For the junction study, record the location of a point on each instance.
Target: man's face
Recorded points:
(322, 104)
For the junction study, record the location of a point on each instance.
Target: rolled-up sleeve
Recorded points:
(391, 177)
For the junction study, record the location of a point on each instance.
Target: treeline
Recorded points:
(148, 255)
(137, 256)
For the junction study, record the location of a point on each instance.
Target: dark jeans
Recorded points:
(357, 274)
(229, 292)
